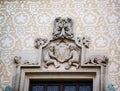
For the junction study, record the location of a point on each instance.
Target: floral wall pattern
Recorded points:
(22, 21)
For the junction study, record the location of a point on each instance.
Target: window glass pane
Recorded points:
(53, 88)
(37, 88)
(85, 88)
(69, 88)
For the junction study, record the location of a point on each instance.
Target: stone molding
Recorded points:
(61, 54)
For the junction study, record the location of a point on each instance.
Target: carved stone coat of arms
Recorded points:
(63, 47)
(63, 50)
(63, 53)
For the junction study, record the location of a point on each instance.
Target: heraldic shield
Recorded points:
(63, 48)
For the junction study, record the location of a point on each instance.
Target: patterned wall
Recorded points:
(23, 21)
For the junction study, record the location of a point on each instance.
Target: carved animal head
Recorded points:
(62, 28)
(105, 60)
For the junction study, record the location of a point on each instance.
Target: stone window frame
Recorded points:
(25, 73)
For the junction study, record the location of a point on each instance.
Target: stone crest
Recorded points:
(63, 47)
(63, 50)
(62, 53)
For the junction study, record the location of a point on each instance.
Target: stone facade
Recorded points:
(61, 54)
(22, 22)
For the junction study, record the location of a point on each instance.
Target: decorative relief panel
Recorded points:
(60, 53)
(63, 47)
(98, 19)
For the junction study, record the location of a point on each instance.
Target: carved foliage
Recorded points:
(83, 41)
(63, 48)
(40, 42)
(63, 28)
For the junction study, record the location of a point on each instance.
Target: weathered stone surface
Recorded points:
(62, 53)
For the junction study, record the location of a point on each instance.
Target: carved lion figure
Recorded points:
(50, 58)
(19, 60)
(103, 60)
(73, 59)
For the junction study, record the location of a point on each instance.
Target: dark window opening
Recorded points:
(61, 85)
